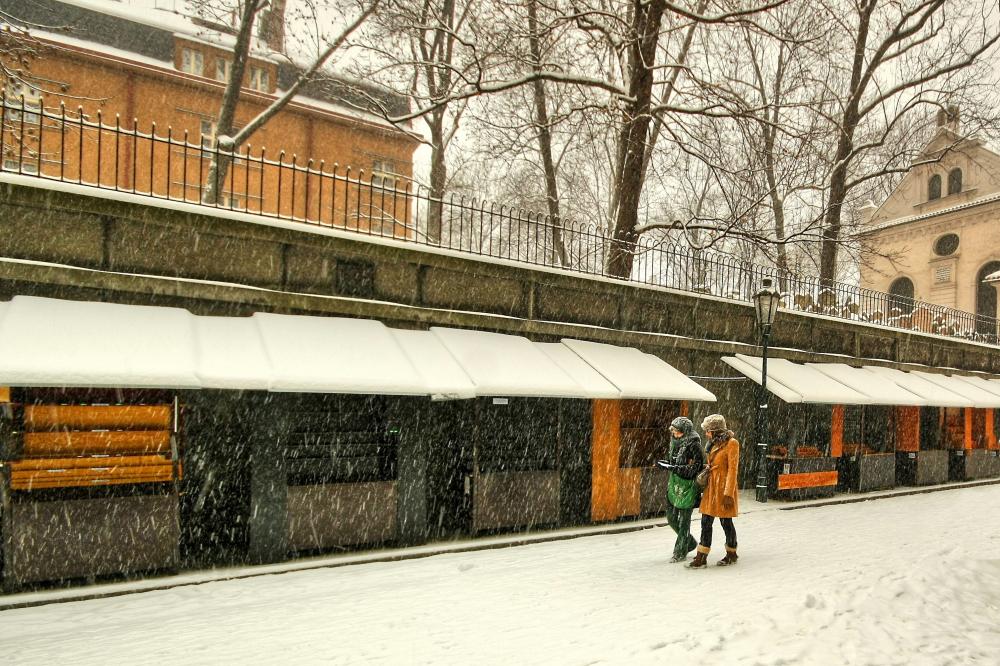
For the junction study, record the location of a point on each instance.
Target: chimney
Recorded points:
(949, 117)
(272, 26)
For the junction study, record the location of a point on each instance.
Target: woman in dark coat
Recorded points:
(720, 498)
(685, 460)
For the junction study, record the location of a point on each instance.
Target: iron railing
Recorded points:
(73, 147)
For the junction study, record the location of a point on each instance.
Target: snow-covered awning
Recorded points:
(795, 382)
(934, 394)
(48, 342)
(881, 390)
(637, 374)
(51, 342)
(991, 386)
(956, 384)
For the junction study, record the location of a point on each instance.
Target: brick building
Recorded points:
(117, 64)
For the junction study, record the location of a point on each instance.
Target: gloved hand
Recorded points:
(728, 503)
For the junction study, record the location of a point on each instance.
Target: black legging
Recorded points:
(727, 527)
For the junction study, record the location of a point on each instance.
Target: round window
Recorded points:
(946, 245)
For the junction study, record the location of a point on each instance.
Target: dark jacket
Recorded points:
(686, 451)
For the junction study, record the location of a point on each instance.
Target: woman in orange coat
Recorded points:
(721, 495)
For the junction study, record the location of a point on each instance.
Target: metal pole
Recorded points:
(762, 422)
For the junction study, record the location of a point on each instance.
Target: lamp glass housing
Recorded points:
(766, 303)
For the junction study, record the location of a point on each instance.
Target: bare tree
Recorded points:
(247, 13)
(904, 58)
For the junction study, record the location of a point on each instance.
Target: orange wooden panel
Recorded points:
(685, 408)
(87, 462)
(4, 394)
(991, 434)
(907, 428)
(79, 443)
(36, 479)
(96, 417)
(629, 492)
(806, 480)
(605, 450)
(837, 431)
(967, 440)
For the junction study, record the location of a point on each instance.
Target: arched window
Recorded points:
(954, 181)
(934, 188)
(986, 300)
(901, 291)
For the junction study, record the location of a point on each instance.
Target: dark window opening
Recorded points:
(355, 278)
(934, 188)
(986, 300)
(946, 245)
(901, 295)
(954, 181)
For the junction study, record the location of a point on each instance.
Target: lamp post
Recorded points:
(765, 308)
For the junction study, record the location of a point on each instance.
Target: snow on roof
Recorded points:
(432, 360)
(812, 385)
(336, 355)
(880, 389)
(581, 372)
(935, 394)
(637, 374)
(956, 384)
(52, 342)
(981, 201)
(754, 373)
(507, 365)
(69, 40)
(172, 17)
(993, 277)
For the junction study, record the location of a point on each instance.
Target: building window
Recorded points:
(21, 95)
(901, 292)
(946, 245)
(259, 79)
(207, 132)
(223, 68)
(192, 61)
(954, 181)
(934, 188)
(384, 174)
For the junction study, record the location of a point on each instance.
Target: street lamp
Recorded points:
(765, 304)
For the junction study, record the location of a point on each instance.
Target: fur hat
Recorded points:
(714, 423)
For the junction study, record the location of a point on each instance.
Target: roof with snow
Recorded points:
(149, 33)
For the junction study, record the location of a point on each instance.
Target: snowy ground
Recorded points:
(908, 580)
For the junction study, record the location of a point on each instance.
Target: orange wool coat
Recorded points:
(724, 460)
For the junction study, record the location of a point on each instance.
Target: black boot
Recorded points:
(729, 559)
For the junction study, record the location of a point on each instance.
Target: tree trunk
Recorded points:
(439, 177)
(633, 135)
(221, 157)
(545, 140)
